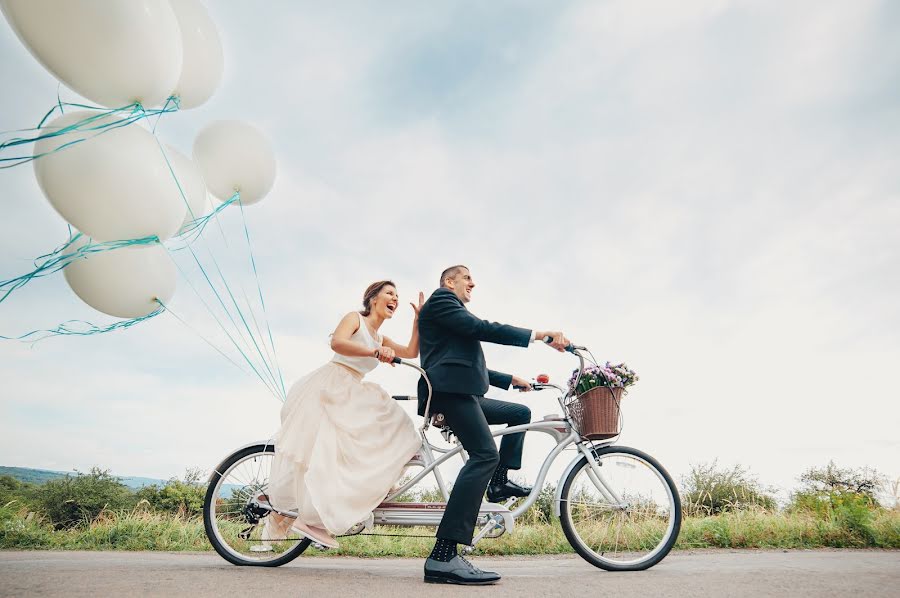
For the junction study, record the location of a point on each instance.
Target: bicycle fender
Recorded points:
(218, 468)
(557, 498)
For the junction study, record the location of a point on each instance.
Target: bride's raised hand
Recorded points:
(418, 308)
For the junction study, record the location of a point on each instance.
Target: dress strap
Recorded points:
(365, 327)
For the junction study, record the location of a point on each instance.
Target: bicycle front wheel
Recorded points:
(623, 515)
(236, 519)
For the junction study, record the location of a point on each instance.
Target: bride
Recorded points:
(343, 441)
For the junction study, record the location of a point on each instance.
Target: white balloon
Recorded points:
(190, 182)
(201, 68)
(111, 186)
(235, 156)
(113, 52)
(124, 282)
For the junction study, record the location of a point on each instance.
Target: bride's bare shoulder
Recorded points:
(350, 322)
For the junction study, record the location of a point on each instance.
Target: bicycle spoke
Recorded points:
(240, 526)
(588, 505)
(619, 535)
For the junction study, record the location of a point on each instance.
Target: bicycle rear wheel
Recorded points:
(631, 520)
(235, 520)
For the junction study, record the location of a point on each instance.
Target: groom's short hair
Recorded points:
(450, 273)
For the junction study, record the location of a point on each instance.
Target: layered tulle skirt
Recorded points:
(342, 445)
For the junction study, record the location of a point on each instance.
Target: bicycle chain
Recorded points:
(388, 535)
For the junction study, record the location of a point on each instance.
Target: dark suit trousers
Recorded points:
(468, 416)
(513, 414)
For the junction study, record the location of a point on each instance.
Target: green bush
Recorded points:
(710, 490)
(70, 500)
(541, 512)
(12, 489)
(184, 497)
(844, 497)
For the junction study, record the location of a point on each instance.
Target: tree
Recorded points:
(831, 479)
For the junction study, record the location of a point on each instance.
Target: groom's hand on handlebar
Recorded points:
(521, 384)
(555, 339)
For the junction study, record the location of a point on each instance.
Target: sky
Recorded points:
(708, 191)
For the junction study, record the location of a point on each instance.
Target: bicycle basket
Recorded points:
(595, 413)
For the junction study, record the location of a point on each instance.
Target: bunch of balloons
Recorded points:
(105, 171)
(110, 177)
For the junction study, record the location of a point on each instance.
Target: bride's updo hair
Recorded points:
(371, 292)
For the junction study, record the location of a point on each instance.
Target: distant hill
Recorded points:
(39, 476)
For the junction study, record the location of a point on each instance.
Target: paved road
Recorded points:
(691, 574)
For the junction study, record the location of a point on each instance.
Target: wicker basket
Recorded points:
(596, 412)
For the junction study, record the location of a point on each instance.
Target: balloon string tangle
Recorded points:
(65, 254)
(91, 126)
(193, 229)
(82, 328)
(80, 246)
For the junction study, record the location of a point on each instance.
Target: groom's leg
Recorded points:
(513, 414)
(465, 417)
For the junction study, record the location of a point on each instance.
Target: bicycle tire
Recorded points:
(581, 547)
(209, 525)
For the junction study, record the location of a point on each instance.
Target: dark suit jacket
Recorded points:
(450, 339)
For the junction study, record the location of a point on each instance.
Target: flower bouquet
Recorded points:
(608, 375)
(595, 397)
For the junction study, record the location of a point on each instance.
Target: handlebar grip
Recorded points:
(397, 360)
(570, 347)
(519, 387)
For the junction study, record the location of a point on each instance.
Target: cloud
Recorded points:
(707, 192)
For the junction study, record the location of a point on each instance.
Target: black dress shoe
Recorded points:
(497, 492)
(459, 571)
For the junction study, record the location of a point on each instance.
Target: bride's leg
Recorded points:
(277, 526)
(309, 520)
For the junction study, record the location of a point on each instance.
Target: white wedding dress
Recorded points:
(342, 445)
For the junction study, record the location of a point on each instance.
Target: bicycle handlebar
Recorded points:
(570, 347)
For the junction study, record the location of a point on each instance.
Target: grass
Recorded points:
(146, 530)
(760, 529)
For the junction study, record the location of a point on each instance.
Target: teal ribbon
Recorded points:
(64, 255)
(191, 231)
(131, 113)
(82, 328)
(261, 300)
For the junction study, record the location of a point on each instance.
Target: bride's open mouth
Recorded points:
(391, 307)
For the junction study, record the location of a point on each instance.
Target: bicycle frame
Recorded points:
(561, 430)
(429, 514)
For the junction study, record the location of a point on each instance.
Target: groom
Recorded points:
(450, 345)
